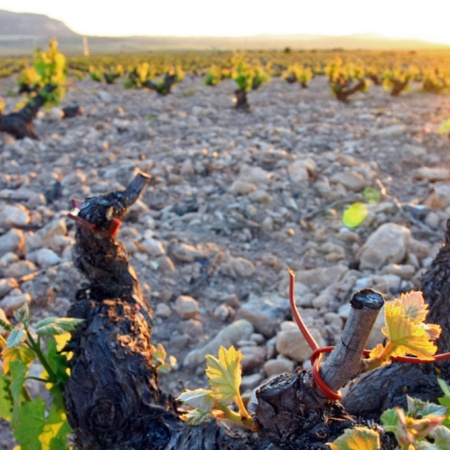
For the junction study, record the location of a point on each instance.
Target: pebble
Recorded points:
(241, 187)
(228, 336)
(253, 357)
(12, 303)
(14, 216)
(47, 236)
(184, 253)
(7, 285)
(20, 269)
(12, 241)
(386, 245)
(433, 174)
(186, 307)
(162, 310)
(279, 365)
(301, 170)
(293, 345)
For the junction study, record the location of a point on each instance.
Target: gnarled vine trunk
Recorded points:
(20, 124)
(113, 398)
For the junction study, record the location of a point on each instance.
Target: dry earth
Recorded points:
(238, 198)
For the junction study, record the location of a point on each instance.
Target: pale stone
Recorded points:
(12, 241)
(277, 366)
(264, 313)
(353, 181)
(388, 132)
(187, 168)
(292, 344)
(348, 236)
(387, 245)
(186, 307)
(46, 236)
(253, 357)
(162, 310)
(7, 285)
(251, 381)
(318, 279)
(405, 271)
(241, 187)
(184, 253)
(20, 269)
(230, 335)
(46, 258)
(14, 216)
(433, 174)
(12, 303)
(301, 170)
(54, 114)
(260, 196)
(152, 247)
(440, 198)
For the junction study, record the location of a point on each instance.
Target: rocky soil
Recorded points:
(237, 199)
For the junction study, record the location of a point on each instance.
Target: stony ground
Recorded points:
(237, 199)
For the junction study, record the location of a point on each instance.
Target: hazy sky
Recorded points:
(426, 20)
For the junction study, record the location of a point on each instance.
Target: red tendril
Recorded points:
(317, 354)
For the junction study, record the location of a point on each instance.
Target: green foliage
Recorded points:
(397, 80)
(297, 72)
(159, 356)
(346, 79)
(95, 74)
(418, 428)
(224, 374)
(213, 76)
(249, 76)
(406, 331)
(358, 438)
(139, 75)
(48, 70)
(435, 80)
(35, 425)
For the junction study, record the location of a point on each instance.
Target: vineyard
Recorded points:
(230, 172)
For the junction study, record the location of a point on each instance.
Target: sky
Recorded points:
(418, 19)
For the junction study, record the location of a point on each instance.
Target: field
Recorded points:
(237, 198)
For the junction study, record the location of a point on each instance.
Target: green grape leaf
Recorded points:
(224, 374)
(195, 417)
(56, 325)
(389, 419)
(201, 399)
(30, 424)
(405, 329)
(16, 338)
(358, 438)
(37, 430)
(418, 408)
(19, 353)
(56, 430)
(19, 372)
(6, 403)
(23, 314)
(441, 437)
(354, 215)
(57, 362)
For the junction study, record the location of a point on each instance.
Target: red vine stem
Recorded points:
(317, 354)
